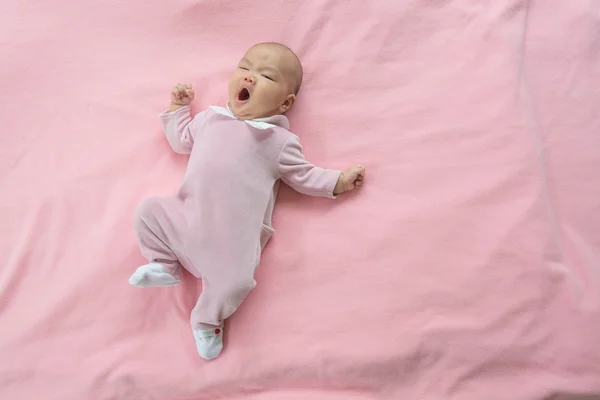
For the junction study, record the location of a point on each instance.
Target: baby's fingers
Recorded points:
(176, 92)
(182, 88)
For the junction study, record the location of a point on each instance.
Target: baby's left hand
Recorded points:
(351, 178)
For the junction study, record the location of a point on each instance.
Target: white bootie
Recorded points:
(154, 275)
(209, 342)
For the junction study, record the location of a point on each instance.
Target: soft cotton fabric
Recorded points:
(155, 274)
(220, 219)
(466, 268)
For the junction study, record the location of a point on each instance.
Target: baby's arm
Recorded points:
(308, 179)
(177, 121)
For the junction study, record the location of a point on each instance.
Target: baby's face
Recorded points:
(263, 83)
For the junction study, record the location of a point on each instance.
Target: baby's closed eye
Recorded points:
(268, 77)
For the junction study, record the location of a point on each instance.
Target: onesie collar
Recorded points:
(260, 123)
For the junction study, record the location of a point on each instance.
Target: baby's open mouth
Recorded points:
(243, 95)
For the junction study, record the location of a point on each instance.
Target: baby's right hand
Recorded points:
(182, 94)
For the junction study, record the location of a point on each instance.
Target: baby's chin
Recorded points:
(245, 111)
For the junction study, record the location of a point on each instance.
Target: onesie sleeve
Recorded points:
(303, 176)
(180, 129)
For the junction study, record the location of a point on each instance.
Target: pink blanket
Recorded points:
(467, 268)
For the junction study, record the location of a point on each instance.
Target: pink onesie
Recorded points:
(219, 221)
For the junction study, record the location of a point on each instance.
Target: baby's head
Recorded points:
(266, 82)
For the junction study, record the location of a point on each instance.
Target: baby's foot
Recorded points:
(209, 342)
(153, 275)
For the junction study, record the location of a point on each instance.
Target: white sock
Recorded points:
(209, 342)
(153, 275)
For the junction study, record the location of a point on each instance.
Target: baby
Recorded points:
(220, 220)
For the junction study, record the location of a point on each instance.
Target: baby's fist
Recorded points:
(182, 94)
(351, 178)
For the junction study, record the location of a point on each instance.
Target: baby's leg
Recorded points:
(223, 291)
(220, 299)
(156, 228)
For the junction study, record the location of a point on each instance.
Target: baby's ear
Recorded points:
(288, 103)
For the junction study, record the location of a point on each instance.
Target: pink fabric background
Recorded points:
(468, 267)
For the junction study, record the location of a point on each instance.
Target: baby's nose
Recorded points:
(249, 79)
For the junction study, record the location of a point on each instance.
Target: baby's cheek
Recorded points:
(234, 79)
(276, 95)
